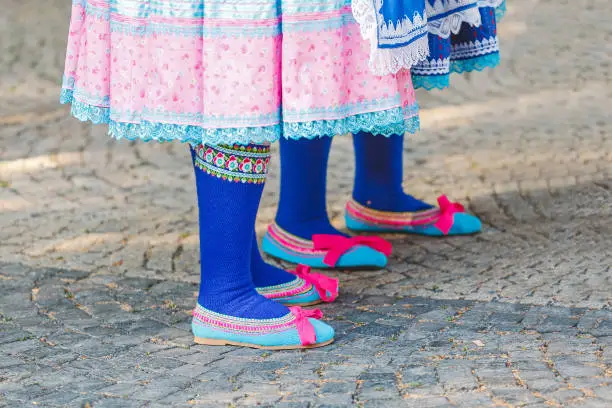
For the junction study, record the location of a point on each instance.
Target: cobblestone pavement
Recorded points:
(98, 252)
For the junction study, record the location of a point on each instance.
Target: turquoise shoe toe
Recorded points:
(323, 331)
(465, 224)
(362, 257)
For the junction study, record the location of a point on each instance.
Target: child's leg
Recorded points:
(227, 211)
(302, 208)
(380, 204)
(302, 232)
(229, 182)
(379, 172)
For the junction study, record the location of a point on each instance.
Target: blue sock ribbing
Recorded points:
(302, 209)
(229, 183)
(378, 174)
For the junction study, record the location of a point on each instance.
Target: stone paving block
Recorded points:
(382, 403)
(300, 392)
(456, 377)
(603, 329)
(9, 361)
(375, 329)
(337, 388)
(500, 377)
(427, 402)
(570, 367)
(189, 370)
(588, 382)
(110, 403)
(284, 404)
(419, 376)
(57, 398)
(506, 321)
(565, 395)
(515, 396)
(470, 399)
(604, 393)
(343, 371)
(153, 393)
(543, 385)
(589, 404)
(377, 386)
(119, 390)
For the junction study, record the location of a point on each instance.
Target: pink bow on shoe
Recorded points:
(447, 212)
(323, 284)
(306, 331)
(337, 245)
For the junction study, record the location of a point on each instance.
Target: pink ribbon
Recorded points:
(326, 287)
(447, 210)
(337, 245)
(306, 331)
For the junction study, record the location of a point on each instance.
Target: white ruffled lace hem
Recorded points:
(385, 61)
(451, 23)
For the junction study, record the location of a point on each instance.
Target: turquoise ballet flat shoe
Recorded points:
(327, 251)
(298, 329)
(449, 219)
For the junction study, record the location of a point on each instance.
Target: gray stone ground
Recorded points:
(98, 252)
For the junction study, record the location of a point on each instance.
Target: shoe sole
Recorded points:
(217, 342)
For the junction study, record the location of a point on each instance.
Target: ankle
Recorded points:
(305, 229)
(265, 275)
(377, 195)
(246, 304)
(389, 199)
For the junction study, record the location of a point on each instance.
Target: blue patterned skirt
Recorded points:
(462, 39)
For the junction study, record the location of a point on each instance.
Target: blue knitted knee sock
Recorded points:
(229, 182)
(265, 274)
(378, 174)
(302, 209)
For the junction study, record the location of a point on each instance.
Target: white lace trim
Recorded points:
(440, 66)
(447, 6)
(384, 61)
(475, 48)
(451, 24)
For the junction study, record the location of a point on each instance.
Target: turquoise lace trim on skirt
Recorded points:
(475, 64)
(430, 82)
(387, 123)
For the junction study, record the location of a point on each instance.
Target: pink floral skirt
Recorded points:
(228, 71)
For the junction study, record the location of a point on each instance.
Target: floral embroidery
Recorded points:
(245, 164)
(220, 160)
(232, 163)
(260, 166)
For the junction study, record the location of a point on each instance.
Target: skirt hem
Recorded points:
(442, 81)
(384, 122)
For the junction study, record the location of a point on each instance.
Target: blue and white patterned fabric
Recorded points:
(396, 30)
(462, 38)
